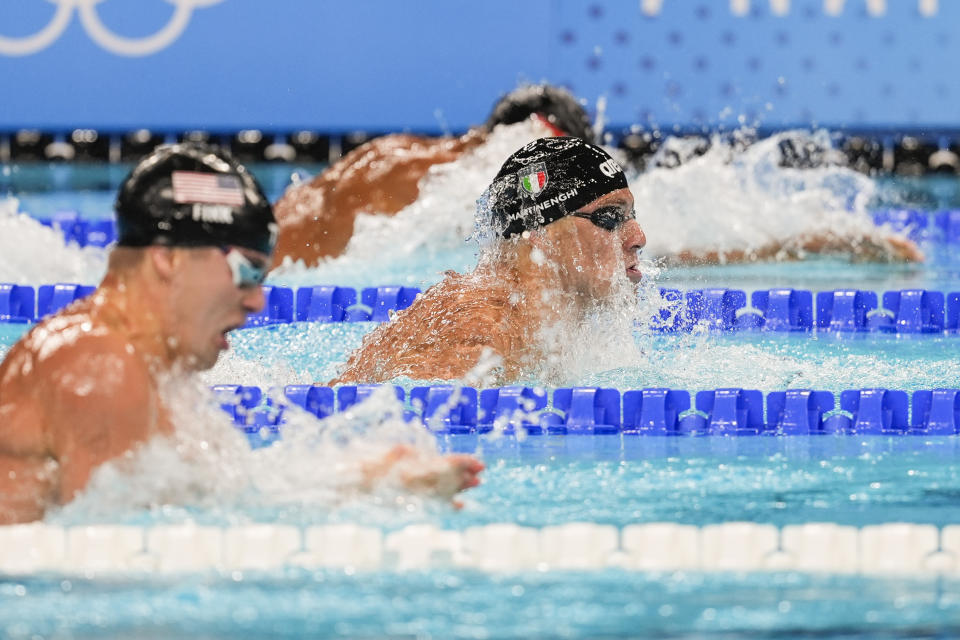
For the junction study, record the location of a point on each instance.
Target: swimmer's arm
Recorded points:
(865, 247)
(28, 475)
(875, 247)
(27, 486)
(101, 405)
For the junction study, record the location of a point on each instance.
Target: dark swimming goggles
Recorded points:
(246, 272)
(608, 218)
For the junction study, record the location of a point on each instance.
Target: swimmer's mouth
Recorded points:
(226, 332)
(634, 273)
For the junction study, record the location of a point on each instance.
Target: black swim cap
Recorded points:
(557, 105)
(193, 195)
(548, 179)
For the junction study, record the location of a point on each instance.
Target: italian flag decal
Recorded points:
(533, 179)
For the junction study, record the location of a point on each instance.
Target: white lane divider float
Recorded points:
(882, 549)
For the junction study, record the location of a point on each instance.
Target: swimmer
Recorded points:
(383, 175)
(81, 388)
(567, 240)
(876, 246)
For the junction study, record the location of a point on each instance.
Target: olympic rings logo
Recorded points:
(107, 39)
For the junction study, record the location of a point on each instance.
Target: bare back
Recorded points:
(73, 394)
(381, 176)
(444, 333)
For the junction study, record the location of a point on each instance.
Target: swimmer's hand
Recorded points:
(905, 250)
(443, 477)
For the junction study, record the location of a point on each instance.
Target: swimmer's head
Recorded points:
(549, 179)
(556, 106)
(194, 195)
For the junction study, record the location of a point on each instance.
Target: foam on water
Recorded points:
(728, 198)
(206, 470)
(430, 235)
(701, 361)
(32, 254)
(743, 199)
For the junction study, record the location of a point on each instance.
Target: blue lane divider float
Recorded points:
(451, 410)
(446, 409)
(53, 297)
(798, 411)
(934, 226)
(82, 231)
(277, 308)
(910, 311)
(17, 303)
(282, 306)
(324, 303)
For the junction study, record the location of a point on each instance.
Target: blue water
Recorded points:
(314, 352)
(440, 604)
(549, 480)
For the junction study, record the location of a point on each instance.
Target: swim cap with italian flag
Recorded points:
(548, 179)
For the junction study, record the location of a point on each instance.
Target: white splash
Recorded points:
(728, 199)
(260, 372)
(428, 236)
(317, 469)
(32, 254)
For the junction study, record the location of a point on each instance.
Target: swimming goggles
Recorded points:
(246, 272)
(609, 218)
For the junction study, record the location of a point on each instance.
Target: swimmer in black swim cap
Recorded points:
(196, 195)
(566, 243)
(556, 106)
(551, 178)
(383, 175)
(91, 383)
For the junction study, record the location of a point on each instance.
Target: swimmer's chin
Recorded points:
(223, 341)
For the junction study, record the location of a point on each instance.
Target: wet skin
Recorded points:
(81, 388)
(592, 256)
(381, 176)
(558, 271)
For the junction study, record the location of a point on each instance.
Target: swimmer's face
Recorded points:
(208, 303)
(593, 258)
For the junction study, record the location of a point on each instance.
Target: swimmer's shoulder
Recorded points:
(460, 310)
(468, 294)
(61, 370)
(394, 146)
(76, 350)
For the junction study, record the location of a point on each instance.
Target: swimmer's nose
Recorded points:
(634, 238)
(253, 299)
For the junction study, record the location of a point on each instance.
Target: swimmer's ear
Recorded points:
(164, 261)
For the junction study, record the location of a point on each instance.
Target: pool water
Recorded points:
(452, 604)
(545, 480)
(306, 353)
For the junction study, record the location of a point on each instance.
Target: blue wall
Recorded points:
(436, 65)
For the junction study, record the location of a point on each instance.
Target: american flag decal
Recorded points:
(210, 188)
